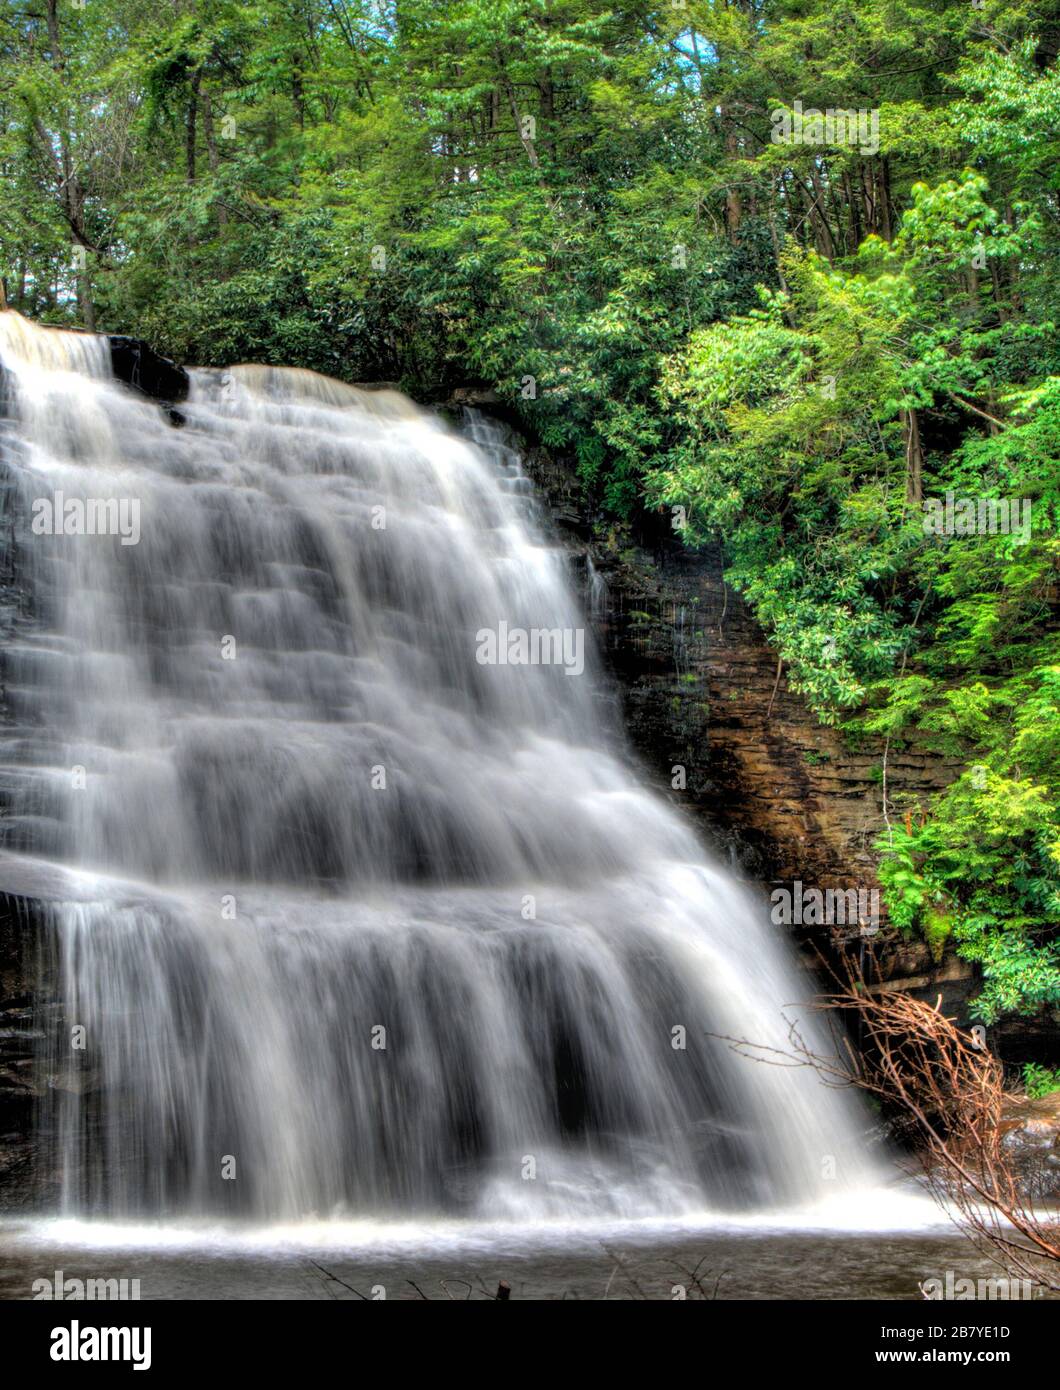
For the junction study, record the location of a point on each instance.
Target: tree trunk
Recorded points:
(528, 144)
(884, 199)
(298, 91)
(192, 124)
(733, 206)
(827, 243)
(854, 210)
(212, 157)
(868, 193)
(914, 458)
(84, 300)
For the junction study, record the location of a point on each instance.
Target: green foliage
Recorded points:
(1040, 1081)
(797, 449)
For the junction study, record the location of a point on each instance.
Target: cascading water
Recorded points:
(361, 923)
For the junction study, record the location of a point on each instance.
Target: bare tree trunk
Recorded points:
(212, 157)
(548, 108)
(855, 212)
(528, 144)
(914, 458)
(886, 211)
(733, 206)
(868, 196)
(298, 91)
(84, 300)
(191, 135)
(1000, 305)
(827, 240)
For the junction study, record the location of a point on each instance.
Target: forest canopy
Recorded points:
(785, 266)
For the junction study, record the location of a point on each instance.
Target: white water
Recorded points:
(258, 909)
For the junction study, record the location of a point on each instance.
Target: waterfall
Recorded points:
(365, 913)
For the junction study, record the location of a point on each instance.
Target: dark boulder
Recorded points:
(140, 367)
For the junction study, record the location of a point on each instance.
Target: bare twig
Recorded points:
(328, 1274)
(951, 1090)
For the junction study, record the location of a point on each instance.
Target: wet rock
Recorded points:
(28, 1011)
(473, 396)
(146, 371)
(1032, 1143)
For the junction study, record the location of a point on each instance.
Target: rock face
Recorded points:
(24, 1016)
(781, 794)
